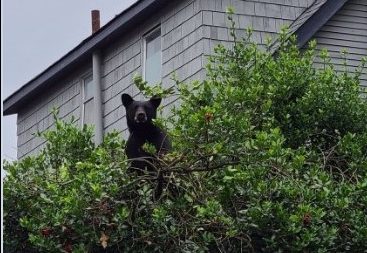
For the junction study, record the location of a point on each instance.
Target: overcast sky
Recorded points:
(36, 33)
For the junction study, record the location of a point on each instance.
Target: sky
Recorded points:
(35, 34)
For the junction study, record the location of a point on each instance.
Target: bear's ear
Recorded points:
(156, 101)
(126, 99)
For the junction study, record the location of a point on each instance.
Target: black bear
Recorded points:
(139, 116)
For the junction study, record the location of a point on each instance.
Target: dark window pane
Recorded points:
(88, 112)
(88, 88)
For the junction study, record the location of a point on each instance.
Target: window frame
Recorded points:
(146, 36)
(83, 99)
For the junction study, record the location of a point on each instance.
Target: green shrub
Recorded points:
(270, 155)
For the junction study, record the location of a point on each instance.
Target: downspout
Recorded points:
(98, 119)
(96, 61)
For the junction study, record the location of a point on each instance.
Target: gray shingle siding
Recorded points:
(266, 17)
(346, 30)
(65, 96)
(179, 22)
(190, 30)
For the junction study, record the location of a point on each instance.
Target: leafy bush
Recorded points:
(270, 155)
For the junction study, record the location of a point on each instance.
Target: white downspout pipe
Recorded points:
(98, 117)
(96, 61)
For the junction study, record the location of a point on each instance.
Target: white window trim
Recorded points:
(83, 97)
(145, 36)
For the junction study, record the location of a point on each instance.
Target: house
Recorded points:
(155, 38)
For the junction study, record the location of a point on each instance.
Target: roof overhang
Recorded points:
(318, 19)
(126, 20)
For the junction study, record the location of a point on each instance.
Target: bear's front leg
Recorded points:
(141, 160)
(161, 141)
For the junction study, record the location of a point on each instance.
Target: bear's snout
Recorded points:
(140, 117)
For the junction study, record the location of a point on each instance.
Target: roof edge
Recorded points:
(11, 104)
(313, 24)
(79, 53)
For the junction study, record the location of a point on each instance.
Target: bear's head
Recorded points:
(139, 113)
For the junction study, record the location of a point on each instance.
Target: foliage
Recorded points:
(270, 155)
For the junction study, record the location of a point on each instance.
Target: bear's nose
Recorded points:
(141, 117)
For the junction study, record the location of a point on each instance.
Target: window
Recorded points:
(88, 101)
(153, 57)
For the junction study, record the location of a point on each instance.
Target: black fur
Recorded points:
(139, 115)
